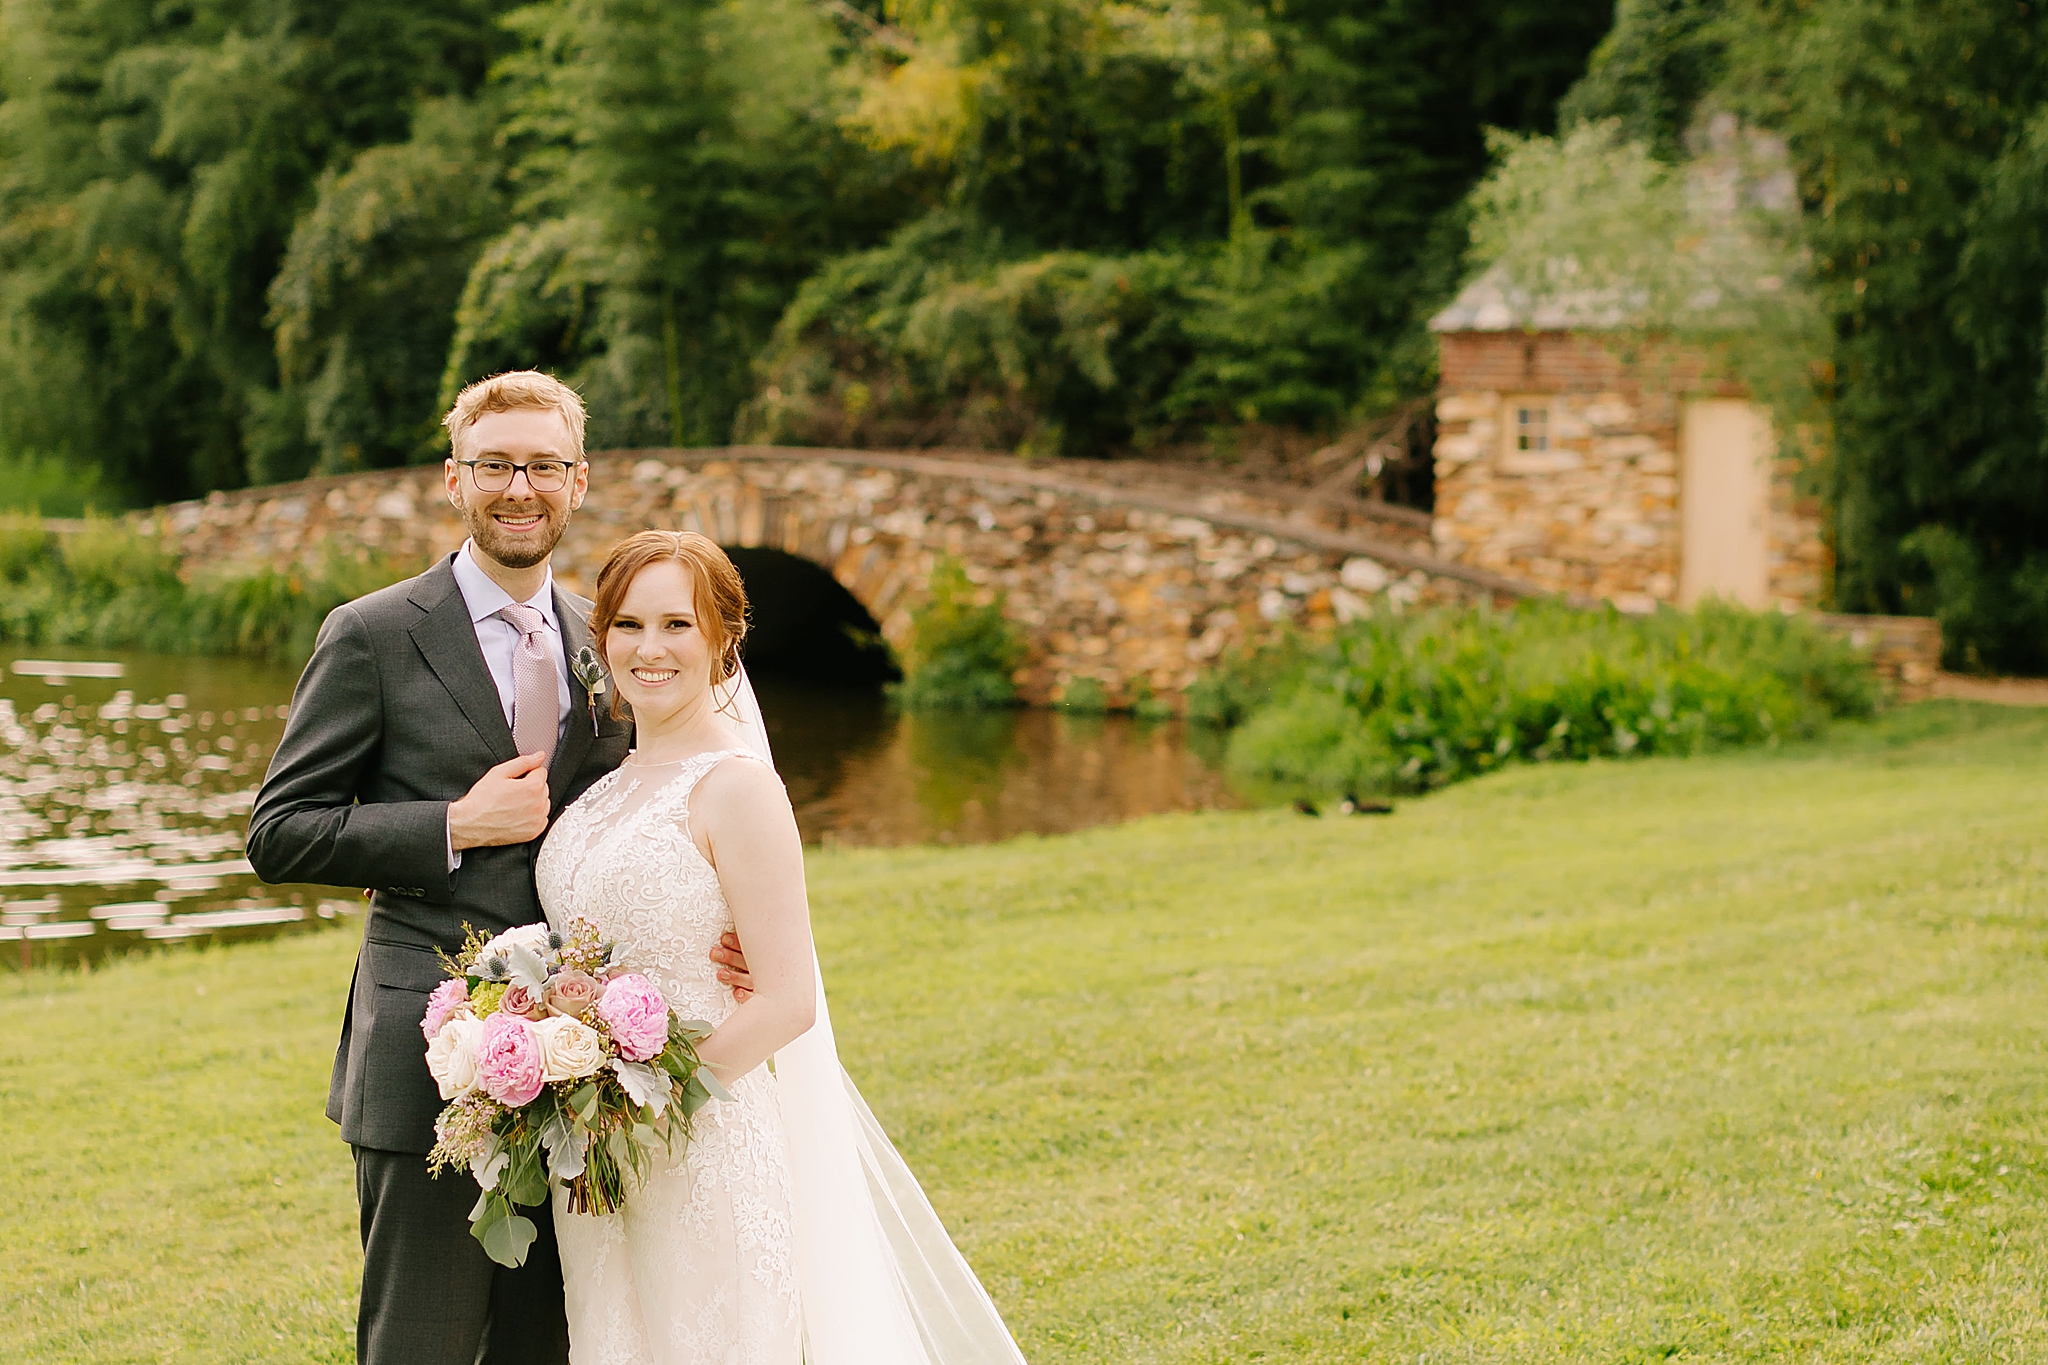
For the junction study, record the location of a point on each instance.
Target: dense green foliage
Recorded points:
(1736, 1060)
(105, 584)
(155, 163)
(1920, 132)
(1161, 217)
(1405, 703)
(247, 239)
(1917, 134)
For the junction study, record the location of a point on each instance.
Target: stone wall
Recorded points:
(1904, 650)
(1136, 587)
(1595, 517)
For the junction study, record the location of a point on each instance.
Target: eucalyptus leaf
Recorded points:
(525, 1181)
(506, 1241)
(490, 1210)
(584, 1101)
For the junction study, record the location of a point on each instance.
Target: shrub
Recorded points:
(1085, 696)
(52, 486)
(1404, 704)
(950, 335)
(24, 544)
(107, 584)
(962, 653)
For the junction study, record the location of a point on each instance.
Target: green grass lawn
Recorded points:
(1736, 1058)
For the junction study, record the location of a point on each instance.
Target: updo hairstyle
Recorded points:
(721, 604)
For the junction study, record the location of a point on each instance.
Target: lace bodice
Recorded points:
(622, 858)
(698, 1267)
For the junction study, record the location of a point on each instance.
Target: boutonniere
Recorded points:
(590, 671)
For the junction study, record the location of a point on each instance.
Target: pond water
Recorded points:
(126, 781)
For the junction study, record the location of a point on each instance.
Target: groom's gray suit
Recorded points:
(395, 717)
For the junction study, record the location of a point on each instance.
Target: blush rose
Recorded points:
(522, 1001)
(573, 993)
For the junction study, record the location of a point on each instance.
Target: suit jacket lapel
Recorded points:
(446, 639)
(576, 737)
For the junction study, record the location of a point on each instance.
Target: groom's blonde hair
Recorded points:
(509, 391)
(721, 603)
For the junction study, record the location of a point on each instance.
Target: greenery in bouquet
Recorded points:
(560, 1067)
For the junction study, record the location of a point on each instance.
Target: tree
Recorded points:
(153, 161)
(678, 159)
(1915, 131)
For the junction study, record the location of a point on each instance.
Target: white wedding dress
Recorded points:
(789, 1230)
(698, 1268)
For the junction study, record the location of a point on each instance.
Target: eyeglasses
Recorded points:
(542, 476)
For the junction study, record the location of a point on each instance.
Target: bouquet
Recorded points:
(559, 1066)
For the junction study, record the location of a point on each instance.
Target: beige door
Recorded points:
(1723, 501)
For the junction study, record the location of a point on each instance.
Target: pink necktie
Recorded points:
(536, 702)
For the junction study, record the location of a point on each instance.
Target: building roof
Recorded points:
(1488, 305)
(1733, 168)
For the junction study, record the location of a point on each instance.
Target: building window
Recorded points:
(1532, 427)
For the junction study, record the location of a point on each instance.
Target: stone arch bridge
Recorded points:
(1133, 575)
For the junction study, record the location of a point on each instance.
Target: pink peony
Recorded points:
(443, 1002)
(636, 1015)
(509, 1063)
(521, 1001)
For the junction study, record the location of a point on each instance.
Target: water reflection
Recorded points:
(125, 786)
(125, 790)
(859, 773)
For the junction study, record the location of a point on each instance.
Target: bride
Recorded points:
(788, 1231)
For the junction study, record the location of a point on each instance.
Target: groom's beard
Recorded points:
(520, 552)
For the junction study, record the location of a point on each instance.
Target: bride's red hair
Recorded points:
(721, 596)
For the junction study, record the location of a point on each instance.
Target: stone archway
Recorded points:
(806, 625)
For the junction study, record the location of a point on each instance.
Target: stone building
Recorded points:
(1568, 464)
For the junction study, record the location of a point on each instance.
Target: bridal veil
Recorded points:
(881, 1282)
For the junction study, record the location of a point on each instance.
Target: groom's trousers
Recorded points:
(430, 1294)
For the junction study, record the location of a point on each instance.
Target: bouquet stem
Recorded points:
(601, 1189)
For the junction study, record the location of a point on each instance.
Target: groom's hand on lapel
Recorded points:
(508, 805)
(732, 965)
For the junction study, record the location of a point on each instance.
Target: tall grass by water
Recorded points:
(1405, 703)
(104, 583)
(1733, 1059)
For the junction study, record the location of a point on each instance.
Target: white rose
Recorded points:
(451, 1056)
(532, 937)
(569, 1049)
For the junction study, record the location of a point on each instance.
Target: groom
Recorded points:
(435, 735)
